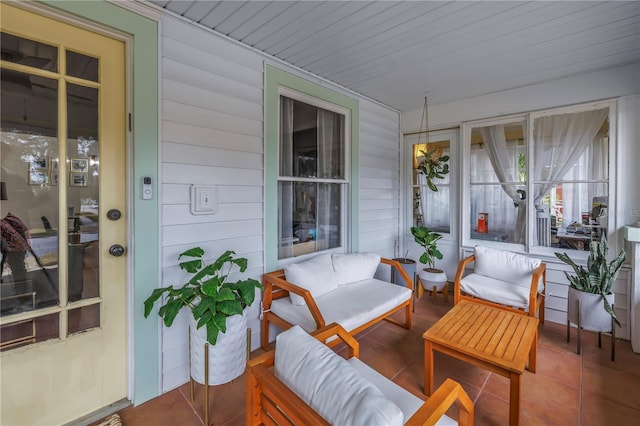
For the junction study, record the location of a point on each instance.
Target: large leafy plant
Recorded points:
(208, 294)
(433, 167)
(599, 275)
(428, 240)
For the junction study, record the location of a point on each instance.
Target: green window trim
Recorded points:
(274, 79)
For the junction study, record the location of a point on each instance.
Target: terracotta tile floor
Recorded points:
(567, 389)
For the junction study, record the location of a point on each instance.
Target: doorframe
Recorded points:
(141, 36)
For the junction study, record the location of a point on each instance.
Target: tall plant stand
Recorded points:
(206, 374)
(579, 343)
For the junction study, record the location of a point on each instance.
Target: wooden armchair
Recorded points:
(270, 401)
(503, 279)
(338, 288)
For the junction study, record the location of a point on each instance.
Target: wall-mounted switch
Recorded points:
(204, 199)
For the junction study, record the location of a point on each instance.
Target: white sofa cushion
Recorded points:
(315, 275)
(405, 400)
(506, 266)
(352, 267)
(495, 290)
(327, 382)
(349, 305)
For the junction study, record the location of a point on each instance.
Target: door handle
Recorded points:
(116, 250)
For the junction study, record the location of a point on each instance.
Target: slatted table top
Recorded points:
(489, 334)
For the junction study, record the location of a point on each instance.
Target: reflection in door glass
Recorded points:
(29, 206)
(82, 193)
(29, 53)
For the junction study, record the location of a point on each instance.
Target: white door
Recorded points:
(62, 151)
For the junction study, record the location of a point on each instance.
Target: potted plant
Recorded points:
(433, 167)
(218, 309)
(592, 287)
(431, 277)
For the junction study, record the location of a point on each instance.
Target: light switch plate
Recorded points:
(204, 199)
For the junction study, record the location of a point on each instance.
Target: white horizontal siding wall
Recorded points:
(379, 200)
(212, 134)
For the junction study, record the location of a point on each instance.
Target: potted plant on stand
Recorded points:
(590, 300)
(433, 279)
(218, 314)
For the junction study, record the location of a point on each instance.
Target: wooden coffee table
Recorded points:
(492, 338)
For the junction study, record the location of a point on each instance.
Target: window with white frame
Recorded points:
(541, 179)
(313, 177)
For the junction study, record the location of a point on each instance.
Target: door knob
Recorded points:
(114, 214)
(116, 250)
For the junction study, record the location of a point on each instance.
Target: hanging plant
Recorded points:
(433, 167)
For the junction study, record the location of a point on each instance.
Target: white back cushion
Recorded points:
(352, 267)
(315, 275)
(505, 266)
(327, 382)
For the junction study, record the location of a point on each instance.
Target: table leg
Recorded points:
(533, 353)
(428, 368)
(514, 399)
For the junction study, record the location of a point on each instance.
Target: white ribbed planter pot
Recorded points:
(592, 314)
(227, 359)
(431, 277)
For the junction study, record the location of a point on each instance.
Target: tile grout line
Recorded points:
(191, 404)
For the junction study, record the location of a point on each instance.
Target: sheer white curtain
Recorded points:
(559, 141)
(592, 165)
(285, 189)
(328, 167)
(434, 206)
(505, 166)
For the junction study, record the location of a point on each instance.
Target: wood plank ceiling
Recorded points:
(398, 51)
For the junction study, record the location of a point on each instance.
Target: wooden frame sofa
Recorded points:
(503, 279)
(303, 382)
(337, 288)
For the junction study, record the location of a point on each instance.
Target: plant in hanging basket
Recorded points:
(599, 275)
(208, 294)
(433, 166)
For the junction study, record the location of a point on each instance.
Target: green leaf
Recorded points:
(204, 305)
(226, 293)
(151, 300)
(220, 322)
(193, 252)
(210, 287)
(212, 333)
(204, 319)
(247, 290)
(609, 309)
(191, 266)
(170, 311)
(230, 307)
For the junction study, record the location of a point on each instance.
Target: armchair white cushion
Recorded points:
(329, 384)
(503, 278)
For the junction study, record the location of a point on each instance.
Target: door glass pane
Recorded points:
(82, 66)
(29, 206)
(28, 52)
(84, 318)
(83, 193)
(431, 208)
(25, 332)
